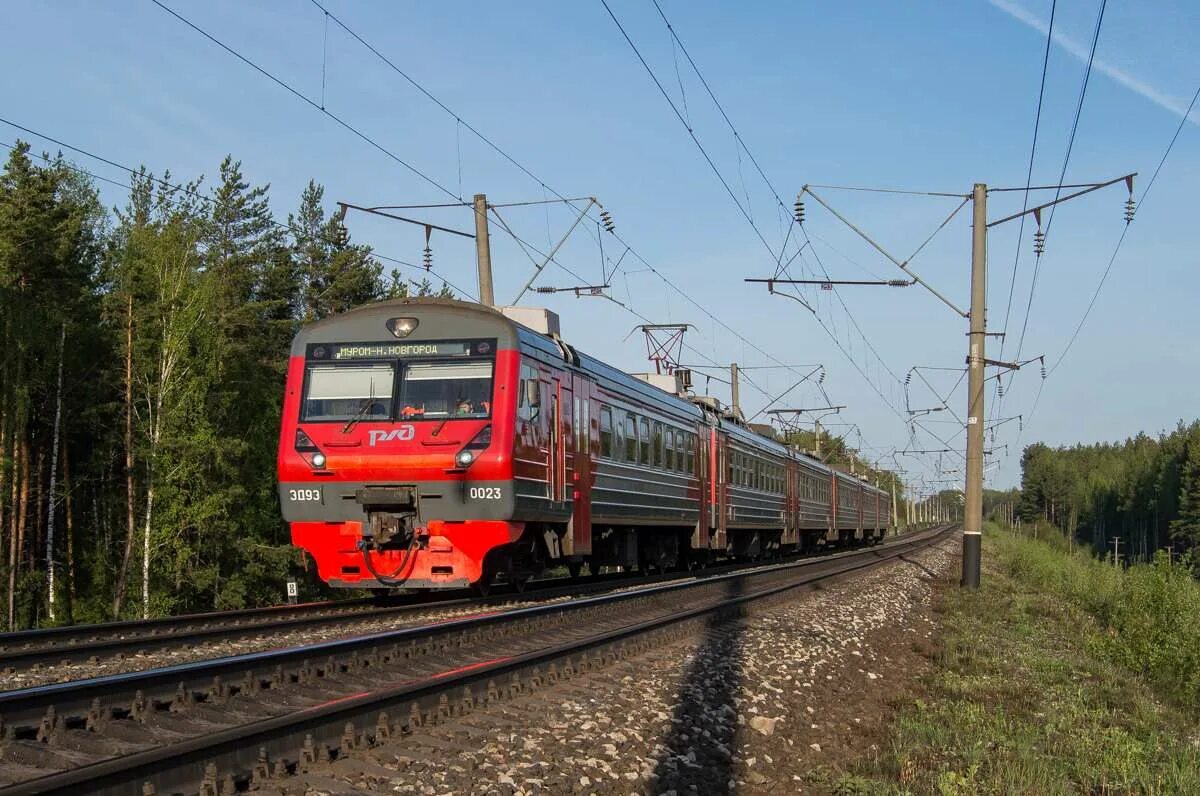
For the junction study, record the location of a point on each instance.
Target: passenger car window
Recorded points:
(631, 439)
(606, 432)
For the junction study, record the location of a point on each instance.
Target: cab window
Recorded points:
(446, 390)
(348, 392)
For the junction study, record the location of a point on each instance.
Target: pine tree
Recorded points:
(336, 275)
(1187, 527)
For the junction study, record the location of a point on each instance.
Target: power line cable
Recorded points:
(741, 143)
(529, 173)
(181, 187)
(367, 139)
(301, 96)
(1063, 173)
(1111, 260)
(1037, 120)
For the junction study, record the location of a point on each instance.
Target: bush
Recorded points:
(1150, 612)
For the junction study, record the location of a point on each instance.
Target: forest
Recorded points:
(1144, 491)
(141, 378)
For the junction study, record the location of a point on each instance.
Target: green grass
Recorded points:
(1061, 675)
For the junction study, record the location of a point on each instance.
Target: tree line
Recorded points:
(142, 360)
(1144, 491)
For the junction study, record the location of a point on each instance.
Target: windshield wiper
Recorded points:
(361, 412)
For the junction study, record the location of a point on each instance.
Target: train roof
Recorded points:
(464, 320)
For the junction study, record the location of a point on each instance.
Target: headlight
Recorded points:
(464, 458)
(318, 460)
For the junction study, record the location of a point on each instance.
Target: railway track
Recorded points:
(211, 726)
(47, 648)
(50, 647)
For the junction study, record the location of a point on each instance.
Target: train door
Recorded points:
(557, 438)
(720, 478)
(860, 508)
(834, 497)
(703, 532)
(560, 427)
(581, 466)
(791, 489)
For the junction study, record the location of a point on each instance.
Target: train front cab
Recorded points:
(394, 464)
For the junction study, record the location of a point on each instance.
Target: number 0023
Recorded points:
(485, 493)
(306, 495)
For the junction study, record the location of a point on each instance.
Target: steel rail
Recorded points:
(83, 643)
(305, 735)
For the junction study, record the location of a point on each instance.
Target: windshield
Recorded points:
(347, 392)
(450, 389)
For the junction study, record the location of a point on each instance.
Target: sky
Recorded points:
(923, 96)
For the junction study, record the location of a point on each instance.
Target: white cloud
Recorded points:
(1078, 50)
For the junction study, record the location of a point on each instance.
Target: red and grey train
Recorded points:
(431, 443)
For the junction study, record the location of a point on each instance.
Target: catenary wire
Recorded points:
(1063, 173)
(182, 188)
(1037, 120)
(1112, 259)
(762, 174)
(525, 170)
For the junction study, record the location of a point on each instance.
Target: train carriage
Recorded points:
(432, 443)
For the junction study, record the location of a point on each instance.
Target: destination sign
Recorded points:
(394, 350)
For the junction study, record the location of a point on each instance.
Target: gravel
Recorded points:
(755, 705)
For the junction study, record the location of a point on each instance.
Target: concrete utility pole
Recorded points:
(483, 252)
(973, 509)
(1116, 540)
(734, 403)
(976, 360)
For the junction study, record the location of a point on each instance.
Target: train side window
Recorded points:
(528, 397)
(606, 432)
(656, 452)
(618, 435)
(669, 444)
(681, 449)
(631, 439)
(691, 453)
(645, 440)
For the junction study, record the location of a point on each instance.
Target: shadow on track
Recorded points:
(701, 741)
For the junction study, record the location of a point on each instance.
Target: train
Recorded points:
(432, 443)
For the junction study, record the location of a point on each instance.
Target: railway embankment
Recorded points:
(775, 701)
(1063, 674)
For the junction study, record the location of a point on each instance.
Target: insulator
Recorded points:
(1043, 370)
(908, 378)
(799, 211)
(1039, 242)
(428, 258)
(999, 388)
(544, 290)
(607, 221)
(340, 235)
(1130, 207)
(821, 378)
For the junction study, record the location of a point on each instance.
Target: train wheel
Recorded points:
(519, 582)
(487, 579)
(574, 568)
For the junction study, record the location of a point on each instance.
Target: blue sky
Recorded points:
(920, 95)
